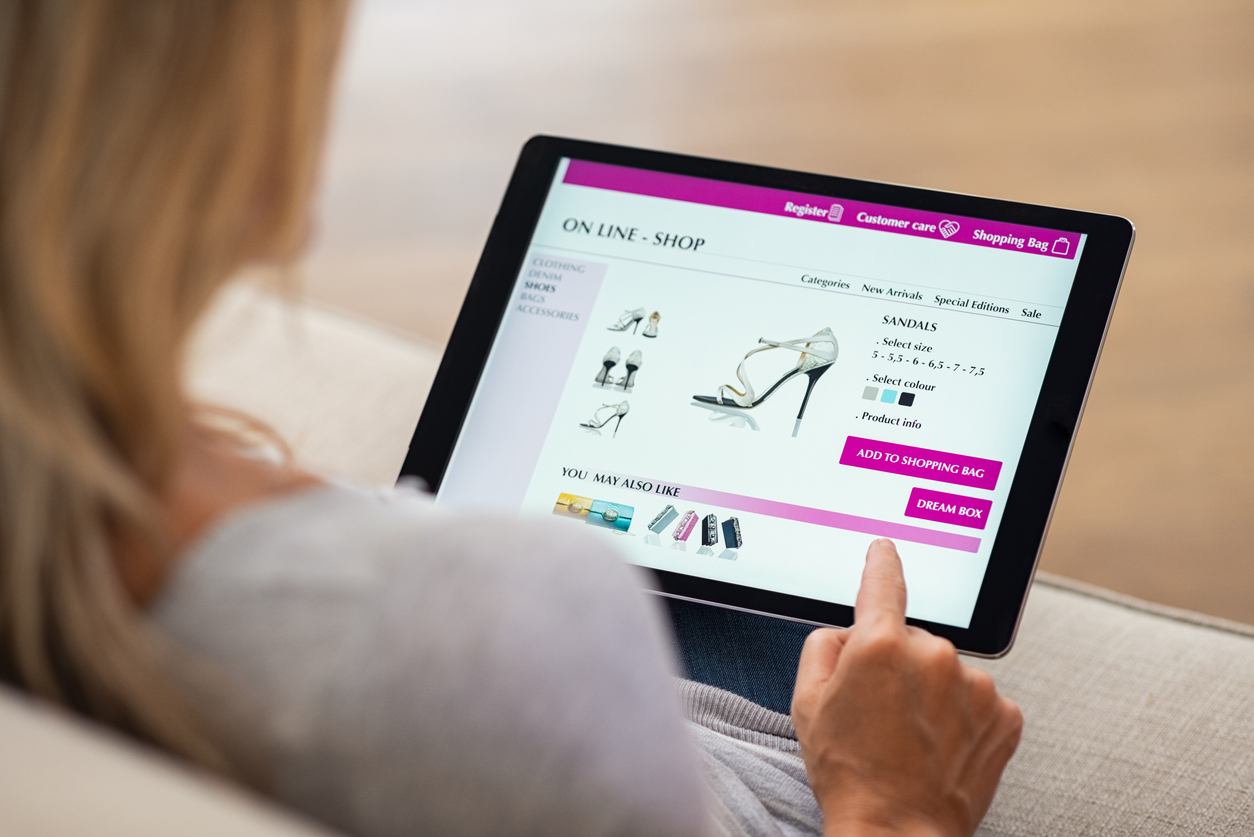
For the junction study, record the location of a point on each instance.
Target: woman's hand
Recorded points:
(898, 736)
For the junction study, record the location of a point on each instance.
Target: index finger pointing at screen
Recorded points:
(882, 595)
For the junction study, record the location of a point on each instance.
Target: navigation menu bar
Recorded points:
(959, 229)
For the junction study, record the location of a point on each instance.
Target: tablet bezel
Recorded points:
(1051, 431)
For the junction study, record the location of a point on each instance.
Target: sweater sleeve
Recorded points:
(482, 678)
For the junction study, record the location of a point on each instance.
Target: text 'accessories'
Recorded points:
(612, 515)
(611, 358)
(685, 526)
(731, 533)
(709, 530)
(818, 353)
(663, 519)
(620, 409)
(650, 330)
(633, 363)
(629, 318)
(572, 505)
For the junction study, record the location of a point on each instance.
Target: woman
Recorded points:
(374, 661)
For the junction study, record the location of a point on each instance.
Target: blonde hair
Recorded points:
(148, 149)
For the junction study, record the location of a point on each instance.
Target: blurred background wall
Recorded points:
(1144, 109)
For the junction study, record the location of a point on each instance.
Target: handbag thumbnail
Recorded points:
(611, 515)
(709, 530)
(572, 505)
(663, 519)
(685, 526)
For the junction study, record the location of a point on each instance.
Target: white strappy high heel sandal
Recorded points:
(818, 353)
(629, 319)
(621, 409)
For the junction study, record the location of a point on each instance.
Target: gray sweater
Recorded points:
(421, 672)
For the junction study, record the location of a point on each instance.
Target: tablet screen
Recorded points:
(747, 385)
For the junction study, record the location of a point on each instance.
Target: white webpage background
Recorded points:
(744, 283)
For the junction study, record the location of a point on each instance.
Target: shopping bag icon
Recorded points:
(1062, 247)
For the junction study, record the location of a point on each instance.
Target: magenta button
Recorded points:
(948, 508)
(920, 462)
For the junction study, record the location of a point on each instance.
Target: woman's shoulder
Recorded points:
(464, 671)
(321, 561)
(356, 541)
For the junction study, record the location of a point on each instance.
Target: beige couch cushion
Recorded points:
(1140, 719)
(62, 777)
(346, 396)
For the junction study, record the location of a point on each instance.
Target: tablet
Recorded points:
(740, 376)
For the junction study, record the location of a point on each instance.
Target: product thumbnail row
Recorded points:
(619, 516)
(690, 521)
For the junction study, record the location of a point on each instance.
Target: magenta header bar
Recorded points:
(827, 210)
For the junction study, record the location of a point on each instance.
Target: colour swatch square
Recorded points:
(889, 396)
(870, 393)
(906, 399)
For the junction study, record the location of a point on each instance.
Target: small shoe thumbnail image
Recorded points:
(816, 354)
(632, 365)
(604, 414)
(631, 319)
(691, 521)
(601, 513)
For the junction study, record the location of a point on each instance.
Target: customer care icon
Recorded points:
(599, 420)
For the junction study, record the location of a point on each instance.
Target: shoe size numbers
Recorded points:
(930, 363)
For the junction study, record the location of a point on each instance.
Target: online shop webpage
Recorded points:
(749, 385)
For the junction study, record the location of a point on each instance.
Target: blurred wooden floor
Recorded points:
(1144, 109)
